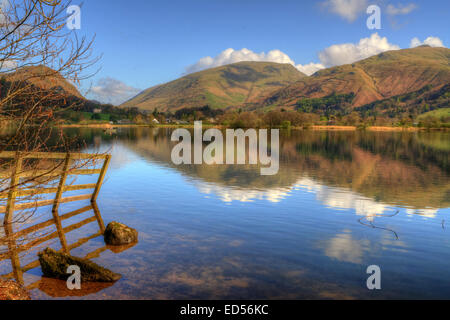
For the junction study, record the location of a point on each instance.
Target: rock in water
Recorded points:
(55, 265)
(118, 234)
(11, 290)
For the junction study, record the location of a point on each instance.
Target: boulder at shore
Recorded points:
(55, 265)
(11, 290)
(118, 234)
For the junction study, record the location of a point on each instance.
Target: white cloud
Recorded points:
(232, 56)
(310, 68)
(401, 9)
(345, 248)
(427, 213)
(8, 65)
(347, 9)
(431, 41)
(346, 53)
(109, 90)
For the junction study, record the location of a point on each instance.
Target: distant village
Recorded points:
(94, 112)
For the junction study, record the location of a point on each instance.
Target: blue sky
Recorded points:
(146, 42)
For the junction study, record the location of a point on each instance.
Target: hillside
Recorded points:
(231, 85)
(379, 77)
(43, 78)
(440, 114)
(415, 103)
(58, 96)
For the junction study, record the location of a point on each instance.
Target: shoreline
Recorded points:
(314, 128)
(374, 128)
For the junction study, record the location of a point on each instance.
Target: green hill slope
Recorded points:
(231, 85)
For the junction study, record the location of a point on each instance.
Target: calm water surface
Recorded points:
(342, 201)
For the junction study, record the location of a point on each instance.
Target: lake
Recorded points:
(341, 202)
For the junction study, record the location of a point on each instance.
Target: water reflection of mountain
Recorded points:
(345, 168)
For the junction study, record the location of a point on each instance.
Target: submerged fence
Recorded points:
(15, 250)
(14, 180)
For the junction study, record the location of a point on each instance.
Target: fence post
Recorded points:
(98, 216)
(9, 215)
(62, 183)
(12, 194)
(101, 178)
(59, 192)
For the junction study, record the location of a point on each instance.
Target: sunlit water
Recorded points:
(342, 201)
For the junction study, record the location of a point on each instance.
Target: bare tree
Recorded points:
(38, 55)
(36, 47)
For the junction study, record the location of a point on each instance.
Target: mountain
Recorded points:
(44, 78)
(230, 85)
(386, 75)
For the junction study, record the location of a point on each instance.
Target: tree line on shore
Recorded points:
(295, 118)
(332, 110)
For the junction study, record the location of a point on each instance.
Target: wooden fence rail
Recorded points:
(16, 173)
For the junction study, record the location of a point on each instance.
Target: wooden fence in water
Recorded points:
(16, 173)
(17, 190)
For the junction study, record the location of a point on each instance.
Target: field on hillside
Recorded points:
(440, 114)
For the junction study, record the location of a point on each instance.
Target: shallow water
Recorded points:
(342, 201)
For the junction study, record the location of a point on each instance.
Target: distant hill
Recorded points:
(57, 95)
(379, 77)
(44, 78)
(230, 85)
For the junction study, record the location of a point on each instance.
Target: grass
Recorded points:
(439, 114)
